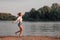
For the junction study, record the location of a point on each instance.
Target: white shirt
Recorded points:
(19, 19)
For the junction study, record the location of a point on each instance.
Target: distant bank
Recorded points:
(7, 16)
(44, 13)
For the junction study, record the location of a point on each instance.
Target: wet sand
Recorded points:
(29, 38)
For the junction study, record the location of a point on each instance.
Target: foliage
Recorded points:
(44, 13)
(7, 16)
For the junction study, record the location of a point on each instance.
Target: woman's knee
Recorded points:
(21, 28)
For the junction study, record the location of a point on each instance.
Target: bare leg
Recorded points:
(17, 32)
(18, 35)
(21, 29)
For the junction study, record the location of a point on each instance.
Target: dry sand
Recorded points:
(29, 38)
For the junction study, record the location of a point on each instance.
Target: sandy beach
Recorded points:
(29, 38)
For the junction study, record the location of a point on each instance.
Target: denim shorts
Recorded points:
(19, 24)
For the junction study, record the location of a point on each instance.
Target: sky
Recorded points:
(15, 6)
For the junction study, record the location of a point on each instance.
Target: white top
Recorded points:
(19, 19)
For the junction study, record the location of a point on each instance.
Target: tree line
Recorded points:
(44, 13)
(7, 16)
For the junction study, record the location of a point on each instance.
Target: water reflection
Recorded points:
(45, 28)
(31, 28)
(56, 27)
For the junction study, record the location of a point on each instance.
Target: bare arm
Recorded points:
(16, 20)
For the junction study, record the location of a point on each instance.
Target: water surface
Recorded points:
(7, 28)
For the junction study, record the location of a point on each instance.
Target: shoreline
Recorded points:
(29, 38)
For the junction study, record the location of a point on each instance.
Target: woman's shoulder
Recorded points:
(19, 17)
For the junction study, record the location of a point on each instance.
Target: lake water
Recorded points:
(7, 28)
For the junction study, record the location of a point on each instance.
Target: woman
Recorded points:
(19, 19)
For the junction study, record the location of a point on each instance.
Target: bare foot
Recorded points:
(20, 34)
